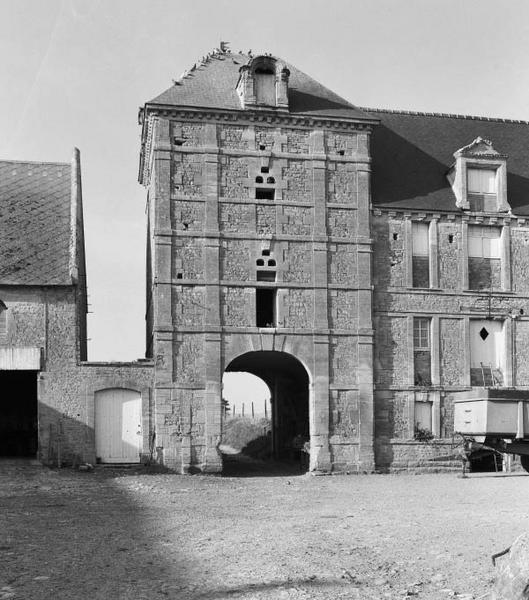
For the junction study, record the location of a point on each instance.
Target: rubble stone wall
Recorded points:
(450, 304)
(313, 225)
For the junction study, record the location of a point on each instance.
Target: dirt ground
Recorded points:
(134, 534)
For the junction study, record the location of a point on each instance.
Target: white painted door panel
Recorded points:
(118, 426)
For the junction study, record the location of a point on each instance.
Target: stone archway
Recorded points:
(289, 384)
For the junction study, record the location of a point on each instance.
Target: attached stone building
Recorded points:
(51, 399)
(366, 264)
(450, 199)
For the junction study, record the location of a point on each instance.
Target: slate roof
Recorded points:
(412, 152)
(212, 85)
(35, 205)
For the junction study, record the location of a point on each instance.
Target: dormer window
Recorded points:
(263, 83)
(479, 178)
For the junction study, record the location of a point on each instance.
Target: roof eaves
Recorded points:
(414, 113)
(34, 162)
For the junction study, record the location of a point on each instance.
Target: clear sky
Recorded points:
(74, 72)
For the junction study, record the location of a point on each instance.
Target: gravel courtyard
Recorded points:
(130, 533)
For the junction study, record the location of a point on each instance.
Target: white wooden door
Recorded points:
(118, 426)
(486, 343)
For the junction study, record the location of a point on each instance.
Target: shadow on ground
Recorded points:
(71, 535)
(289, 587)
(242, 465)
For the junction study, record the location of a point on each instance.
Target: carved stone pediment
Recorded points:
(479, 148)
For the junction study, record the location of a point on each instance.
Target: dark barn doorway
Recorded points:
(18, 413)
(288, 434)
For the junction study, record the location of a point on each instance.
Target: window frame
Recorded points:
(419, 331)
(486, 250)
(482, 169)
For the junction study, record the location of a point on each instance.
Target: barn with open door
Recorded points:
(118, 426)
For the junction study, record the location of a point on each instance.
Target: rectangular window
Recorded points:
(420, 255)
(422, 355)
(481, 181)
(484, 257)
(265, 307)
(423, 417)
(421, 333)
(482, 189)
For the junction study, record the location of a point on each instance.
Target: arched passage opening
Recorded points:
(287, 415)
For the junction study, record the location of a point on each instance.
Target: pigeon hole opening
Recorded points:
(264, 194)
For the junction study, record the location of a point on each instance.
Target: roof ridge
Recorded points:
(34, 162)
(217, 53)
(417, 113)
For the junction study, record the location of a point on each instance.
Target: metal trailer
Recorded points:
(495, 419)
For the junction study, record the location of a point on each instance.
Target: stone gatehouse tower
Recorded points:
(259, 259)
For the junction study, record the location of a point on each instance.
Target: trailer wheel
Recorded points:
(524, 459)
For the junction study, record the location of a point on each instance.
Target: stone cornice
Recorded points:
(422, 214)
(265, 117)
